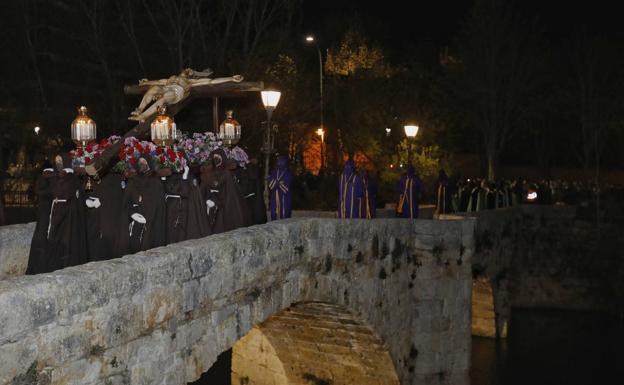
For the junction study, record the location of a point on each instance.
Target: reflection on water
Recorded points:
(548, 347)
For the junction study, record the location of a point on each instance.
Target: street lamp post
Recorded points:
(311, 39)
(320, 132)
(269, 100)
(410, 132)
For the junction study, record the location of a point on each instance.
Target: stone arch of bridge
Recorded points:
(312, 343)
(490, 312)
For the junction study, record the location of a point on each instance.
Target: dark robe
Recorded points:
(219, 187)
(490, 199)
(280, 194)
(464, 197)
(144, 195)
(37, 259)
(103, 221)
(186, 209)
(369, 203)
(65, 233)
(443, 202)
(351, 193)
(2, 216)
(410, 189)
(255, 197)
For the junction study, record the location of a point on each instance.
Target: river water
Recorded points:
(550, 347)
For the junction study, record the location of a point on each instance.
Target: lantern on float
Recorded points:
(83, 129)
(229, 130)
(163, 128)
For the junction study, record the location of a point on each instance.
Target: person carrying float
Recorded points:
(225, 204)
(65, 242)
(143, 211)
(102, 204)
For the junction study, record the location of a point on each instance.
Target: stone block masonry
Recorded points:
(312, 342)
(535, 256)
(14, 249)
(164, 315)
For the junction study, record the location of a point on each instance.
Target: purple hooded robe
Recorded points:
(280, 194)
(410, 190)
(351, 191)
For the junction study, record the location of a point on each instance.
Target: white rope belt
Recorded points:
(54, 202)
(167, 196)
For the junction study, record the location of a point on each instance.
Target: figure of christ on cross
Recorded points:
(173, 90)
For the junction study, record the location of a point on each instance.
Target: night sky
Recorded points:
(394, 22)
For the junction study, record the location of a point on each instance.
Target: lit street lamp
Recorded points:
(410, 132)
(269, 100)
(311, 39)
(320, 132)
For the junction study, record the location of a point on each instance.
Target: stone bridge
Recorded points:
(553, 257)
(301, 301)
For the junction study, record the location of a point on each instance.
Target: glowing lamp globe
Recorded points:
(229, 130)
(163, 128)
(83, 128)
(411, 131)
(270, 99)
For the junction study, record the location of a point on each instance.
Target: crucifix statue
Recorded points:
(176, 92)
(173, 90)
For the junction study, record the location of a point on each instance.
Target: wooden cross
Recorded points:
(109, 157)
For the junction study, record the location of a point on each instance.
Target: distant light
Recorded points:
(401, 165)
(310, 38)
(391, 165)
(320, 132)
(37, 130)
(388, 129)
(532, 196)
(411, 131)
(270, 98)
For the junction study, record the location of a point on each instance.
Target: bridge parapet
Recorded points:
(163, 316)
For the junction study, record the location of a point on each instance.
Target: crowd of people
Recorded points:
(162, 195)
(479, 194)
(153, 196)
(357, 193)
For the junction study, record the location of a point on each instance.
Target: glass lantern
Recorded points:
(163, 127)
(83, 128)
(229, 130)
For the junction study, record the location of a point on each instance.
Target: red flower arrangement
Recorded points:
(133, 149)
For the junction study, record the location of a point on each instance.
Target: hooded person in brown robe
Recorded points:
(224, 201)
(38, 245)
(65, 235)
(255, 197)
(143, 211)
(248, 179)
(186, 209)
(103, 206)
